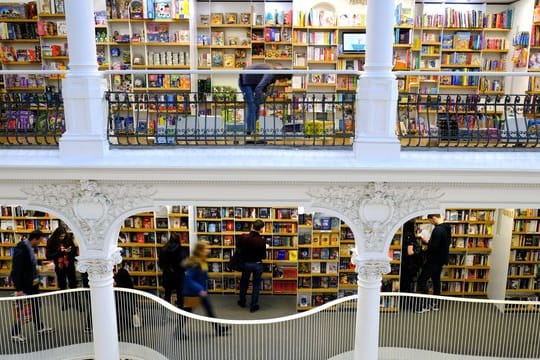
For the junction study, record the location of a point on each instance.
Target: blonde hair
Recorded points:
(198, 256)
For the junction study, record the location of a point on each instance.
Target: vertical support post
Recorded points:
(83, 88)
(377, 93)
(100, 275)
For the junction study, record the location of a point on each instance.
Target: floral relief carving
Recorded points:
(375, 207)
(89, 204)
(99, 268)
(372, 270)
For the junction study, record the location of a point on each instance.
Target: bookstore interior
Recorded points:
(308, 254)
(300, 35)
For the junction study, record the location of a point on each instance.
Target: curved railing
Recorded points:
(461, 327)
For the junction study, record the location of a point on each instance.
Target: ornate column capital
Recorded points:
(374, 208)
(90, 205)
(99, 268)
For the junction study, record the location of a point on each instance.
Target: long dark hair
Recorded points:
(54, 241)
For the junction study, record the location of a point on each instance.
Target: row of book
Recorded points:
(532, 240)
(452, 18)
(525, 255)
(150, 9)
(524, 270)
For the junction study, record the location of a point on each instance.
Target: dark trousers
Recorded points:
(173, 283)
(255, 268)
(432, 271)
(65, 277)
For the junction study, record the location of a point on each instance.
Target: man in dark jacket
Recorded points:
(25, 277)
(437, 255)
(254, 86)
(253, 247)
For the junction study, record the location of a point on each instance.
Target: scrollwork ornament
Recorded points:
(375, 206)
(91, 205)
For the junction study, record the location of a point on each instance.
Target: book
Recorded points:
(217, 58)
(228, 60)
(163, 9)
(216, 19)
(204, 20)
(245, 19)
(315, 267)
(218, 38)
(231, 18)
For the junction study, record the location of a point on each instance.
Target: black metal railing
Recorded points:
(468, 121)
(30, 119)
(179, 118)
(217, 118)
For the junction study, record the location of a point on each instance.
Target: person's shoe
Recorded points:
(422, 310)
(45, 329)
(87, 330)
(18, 338)
(435, 307)
(241, 304)
(254, 308)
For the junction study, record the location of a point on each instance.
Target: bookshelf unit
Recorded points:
(467, 273)
(15, 225)
(142, 237)
(523, 281)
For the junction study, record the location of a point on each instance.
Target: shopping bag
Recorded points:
(23, 311)
(136, 320)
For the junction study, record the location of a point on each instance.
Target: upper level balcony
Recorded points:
(33, 116)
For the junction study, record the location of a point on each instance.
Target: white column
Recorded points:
(377, 93)
(100, 275)
(83, 88)
(370, 272)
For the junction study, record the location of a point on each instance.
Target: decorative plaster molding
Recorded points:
(375, 208)
(372, 270)
(99, 268)
(90, 205)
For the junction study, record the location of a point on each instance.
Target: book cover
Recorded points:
(217, 58)
(231, 18)
(245, 18)
(461, 40)
(228, 60)
(216, 19)
(218, 38)
(315, 267)
(163, 9)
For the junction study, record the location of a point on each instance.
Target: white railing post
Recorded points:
(83, 88)
(375, 137)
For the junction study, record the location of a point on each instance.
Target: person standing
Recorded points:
(62, 251)
(170, 261)
(410, 261)
(253, 248)
(196, 281)
(25, 277)
(124, 301)
(254, 87)
(437, 255)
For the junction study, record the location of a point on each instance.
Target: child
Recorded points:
(196, 281)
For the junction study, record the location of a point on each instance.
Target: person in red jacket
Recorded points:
(253, 247)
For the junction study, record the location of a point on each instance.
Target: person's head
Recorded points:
(57, 237)
(174, 238)
(281, 77)
(35, 237)
(202, 249)
(434, 218)
(258, 225)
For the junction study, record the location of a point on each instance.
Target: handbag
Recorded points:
(23, 311)
(236, 262)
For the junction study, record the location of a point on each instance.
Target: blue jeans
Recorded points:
(252, 107)
(256, 269)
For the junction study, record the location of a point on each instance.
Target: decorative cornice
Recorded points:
(375, 208)
(91, 205)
